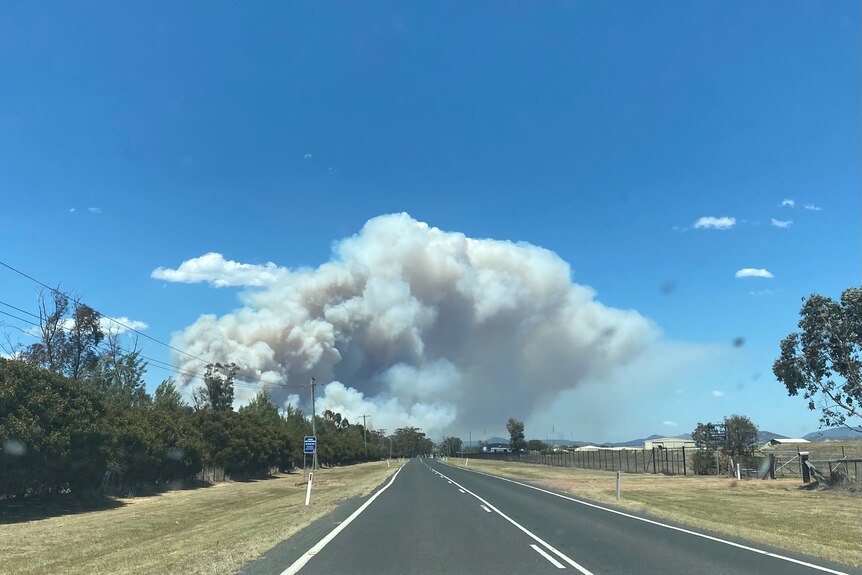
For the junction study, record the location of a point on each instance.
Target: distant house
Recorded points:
(669, 443)
(787, 441)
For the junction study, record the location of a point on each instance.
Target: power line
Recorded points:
(15, 317)
(157, 363)
(24, 311)
(78, 301)
(130, 328)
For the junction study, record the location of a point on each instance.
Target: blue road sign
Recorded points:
(309, 444)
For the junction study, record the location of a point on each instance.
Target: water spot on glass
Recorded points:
(12, 446)
(668, 287)
(739, 342)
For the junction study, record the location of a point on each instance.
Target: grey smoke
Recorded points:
(416, 326)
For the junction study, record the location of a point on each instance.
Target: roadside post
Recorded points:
(308, 489)
(618, 484)
(738, 476)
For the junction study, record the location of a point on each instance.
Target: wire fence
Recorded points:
(688, 461)
(674, 461)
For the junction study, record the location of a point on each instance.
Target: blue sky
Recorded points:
(600, 132)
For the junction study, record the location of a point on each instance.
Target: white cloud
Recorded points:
(670, 423)
(219, 272)
(787, 203)
(716, 393)
(754, 273)
(94, 210)
(761, 292)
(112, 325)
(71, 210)
(416, 325)
(307, 157)
(813, 208)
(782, 223)
(710, 222)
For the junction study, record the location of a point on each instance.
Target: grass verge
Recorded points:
(821, 523)
(213, 530)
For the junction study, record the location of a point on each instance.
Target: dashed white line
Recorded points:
(529, 533)
(665, 525)
(461, 490)
(544, 554)
(485, 508)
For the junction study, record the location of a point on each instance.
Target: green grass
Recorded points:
(213, 530)
(821, 523)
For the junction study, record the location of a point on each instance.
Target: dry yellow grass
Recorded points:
(212, 530)
(822, 523)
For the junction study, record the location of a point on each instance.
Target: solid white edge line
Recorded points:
(666, 526)
(529, 533)
(544, 554)
(300, 563)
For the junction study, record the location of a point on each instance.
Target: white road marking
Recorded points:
(461, 490)
(544, 554)
(485, 508)
(529, 533)
(666, 526)
(300, 563)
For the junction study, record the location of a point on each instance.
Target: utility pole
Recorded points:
(313, 426)
(365, 433)
(471, 440)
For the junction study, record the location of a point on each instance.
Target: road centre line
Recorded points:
(529, 533)
(665, 525)
(306, 557)
(544, 554)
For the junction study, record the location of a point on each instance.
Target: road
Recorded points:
(434, 518)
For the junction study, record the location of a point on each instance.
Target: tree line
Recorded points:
(75, 416)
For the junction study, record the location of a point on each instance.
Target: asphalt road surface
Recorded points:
(438, 519)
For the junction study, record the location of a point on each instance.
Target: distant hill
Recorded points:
(767, 436)
(832, 433)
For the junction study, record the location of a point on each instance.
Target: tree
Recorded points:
(451, 445)
(217, 392)
(51, 432)
(168, 398)
(410, 442)
(536, 445)
(516, 434)
(119, 374)
(50, 351)
(741, 436)
(82, 341)
(262, 407)
(823, 360)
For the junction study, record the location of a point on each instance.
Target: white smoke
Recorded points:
(416, 326)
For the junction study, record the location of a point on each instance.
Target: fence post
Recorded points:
(803, 461)
(653, 460)
(683, 460)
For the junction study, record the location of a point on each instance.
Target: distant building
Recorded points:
(788, 441)
(588, 448)
(669, 443)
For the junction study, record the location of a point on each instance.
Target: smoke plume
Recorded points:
(412, 325)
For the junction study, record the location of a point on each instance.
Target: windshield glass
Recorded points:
(245, 243)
